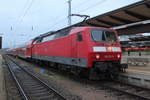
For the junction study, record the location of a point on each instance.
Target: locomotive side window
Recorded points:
(62, 33)
(103, 35)
(58, 35)
(79, 36)
(47, 38)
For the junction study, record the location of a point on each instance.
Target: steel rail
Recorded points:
(38, 79)
(21, 90)
(126, 92)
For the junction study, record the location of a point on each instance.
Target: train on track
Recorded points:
(93, 51)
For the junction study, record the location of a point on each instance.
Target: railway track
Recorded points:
(138, 93)
(30, 86)
(127, 91)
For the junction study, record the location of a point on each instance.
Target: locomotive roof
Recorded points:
(69, 28)
(42, 35)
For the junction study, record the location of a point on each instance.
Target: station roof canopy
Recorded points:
(122, 19)
(141, 38)
(137, 12)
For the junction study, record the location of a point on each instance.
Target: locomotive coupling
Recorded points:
(124, 66)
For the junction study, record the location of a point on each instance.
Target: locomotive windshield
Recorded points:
(103, 35)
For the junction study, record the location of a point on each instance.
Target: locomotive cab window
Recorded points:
(79, 37)
(103, 35)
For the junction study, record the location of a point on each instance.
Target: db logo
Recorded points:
(109, 48)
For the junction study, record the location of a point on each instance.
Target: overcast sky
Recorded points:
(46, 15)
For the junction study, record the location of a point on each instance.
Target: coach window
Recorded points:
(79, 36)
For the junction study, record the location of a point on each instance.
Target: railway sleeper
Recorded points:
(41, 94)
(46, 98)
(32, 85)
(39, 91)
(36, 88)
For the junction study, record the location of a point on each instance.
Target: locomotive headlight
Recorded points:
(97, 56)
(118, 56)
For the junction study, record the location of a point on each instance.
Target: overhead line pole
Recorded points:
(69, 12)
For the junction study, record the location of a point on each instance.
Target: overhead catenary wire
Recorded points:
(62, 20)
(26, 11)
(58, 20)
(21, 15)
(53, 25)
(83, 2)
(80, 4)
(92, 6)
(22, 11)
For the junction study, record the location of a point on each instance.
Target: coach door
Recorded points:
(75, 44)
(76, 39)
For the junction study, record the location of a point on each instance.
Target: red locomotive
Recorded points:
(94, 50)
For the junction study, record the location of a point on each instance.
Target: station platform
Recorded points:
(138, 72)
(137, 64)
(136, 60)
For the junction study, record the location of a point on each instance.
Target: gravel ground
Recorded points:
(2, 82)
(70, 87)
